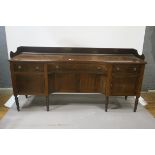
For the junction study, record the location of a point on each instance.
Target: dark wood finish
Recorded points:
(28, 67)
(75, 50)
(126, 97)
(136, 104)
(30, 84)
(47, 103)
(106, 103)
(46, 80)
(17, 103)
(44, 70)
(123, 85)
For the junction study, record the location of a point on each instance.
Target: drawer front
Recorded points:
(126, 68)
(28, 67)
(98, 68)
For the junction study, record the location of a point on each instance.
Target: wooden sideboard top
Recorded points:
(63, 54)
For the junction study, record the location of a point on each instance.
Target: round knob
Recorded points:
(57, 66)
(19, 67)
(117, 68)
(98, 67)
(37, 68)
(135, 69)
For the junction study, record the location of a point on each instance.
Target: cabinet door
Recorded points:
(123, 86)
(76, 82)
(76, 77)
(65, 82)
(30, 84)
(91, 83)
(28, 78)
(124, 79)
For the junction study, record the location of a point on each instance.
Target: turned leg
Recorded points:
(126, 97)
(136, 103)
(47, 103)
(106, 104)
(26, 96)
(17, 103)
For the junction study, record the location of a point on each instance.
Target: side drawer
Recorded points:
(126, 68)
(28, 67)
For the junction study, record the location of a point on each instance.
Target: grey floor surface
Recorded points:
(77, 111)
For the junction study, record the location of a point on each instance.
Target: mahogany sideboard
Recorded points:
(45, 70)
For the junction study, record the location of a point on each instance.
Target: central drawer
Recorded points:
(82, 67)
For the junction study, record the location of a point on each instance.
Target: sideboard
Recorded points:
(45, 70)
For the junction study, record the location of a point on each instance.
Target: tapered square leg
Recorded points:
(136, 104)
(17, 103)
(106, 104)
(26, 96)
(47, 103)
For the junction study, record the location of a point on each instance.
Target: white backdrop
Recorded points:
(76, 36)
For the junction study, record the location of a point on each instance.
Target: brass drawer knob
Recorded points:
(57, 66)
(117, 68)
(19, 67)
(98, 67)
(36, 68)
(134, 68)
